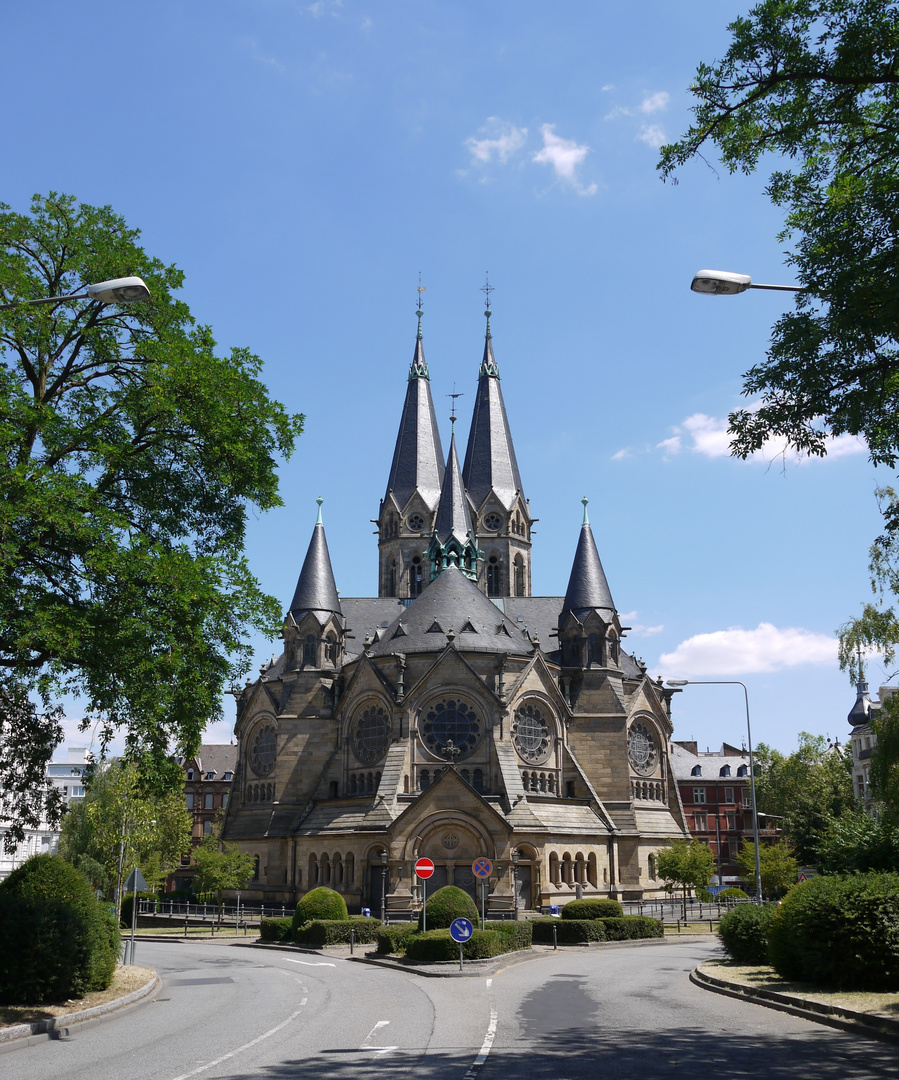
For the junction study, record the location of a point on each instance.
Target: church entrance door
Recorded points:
(465, 880)
(524, 888)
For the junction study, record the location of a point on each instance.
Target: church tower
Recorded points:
(408, 510)
(500, 512)
(453, 542)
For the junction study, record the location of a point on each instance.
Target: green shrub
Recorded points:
(58, 941)
(321, 903)
(393, 939)
(704, 896)
(275, 929)
(632, 927)
(732, 894)
(744, 932)
(436, 945)
(568, 931)
(592, 909)
(839, 931)
(447, 904)
(319, 932)
(521, 932)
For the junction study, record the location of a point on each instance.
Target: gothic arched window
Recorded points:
(494, 577)
(415, 576)
(594, 653)
(309, 651)
(519, 576)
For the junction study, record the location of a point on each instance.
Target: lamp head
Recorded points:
(677, 682)
(720, 282)
(123, 290)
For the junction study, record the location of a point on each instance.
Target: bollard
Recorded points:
(678, 925)
(555, 942)
(185, 922)
(711, 928)
(352, 939)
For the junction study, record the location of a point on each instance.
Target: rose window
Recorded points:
(641, 749)
(530, 734)
(493, 522)
(263, 750)
(415, 522)
(450, 723)
(371, 735)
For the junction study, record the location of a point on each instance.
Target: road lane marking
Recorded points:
(308, 963)
(488, 1038)
(240, 1049)
(377, 1049)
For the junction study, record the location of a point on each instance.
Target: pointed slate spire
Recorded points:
(490, 464)
(588, 589)
(418, 456)
(453, 541)
(316, 589)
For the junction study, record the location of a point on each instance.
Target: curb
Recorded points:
(870, 1024)
(58, 1026)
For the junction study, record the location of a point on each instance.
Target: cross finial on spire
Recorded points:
(585, 500)
(418, 312)
(487, 289)
(454, 395)
(318, 520)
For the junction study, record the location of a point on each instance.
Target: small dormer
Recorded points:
(696, 770)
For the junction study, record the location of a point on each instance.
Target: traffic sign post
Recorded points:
(461, 931)
(482, 869)
(424, 868)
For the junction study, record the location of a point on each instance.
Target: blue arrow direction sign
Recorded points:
(482, 868)
(461, 930)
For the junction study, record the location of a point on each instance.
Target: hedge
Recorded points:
(568, 931)
(744, 932)
(521, 932)
(319, 932)
(321, 903)
(436, 945)
(632, 927)
(592, 909)
(393, 939)
(276, 929)
(59, 942)
(447, 905)
(839, 931)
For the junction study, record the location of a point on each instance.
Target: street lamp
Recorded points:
(384, 887)
(755, 816)
(726, 283)
(124, 290)
(515, 858)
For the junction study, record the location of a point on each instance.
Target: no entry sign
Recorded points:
(424, 868)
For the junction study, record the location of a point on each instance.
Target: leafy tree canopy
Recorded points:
(816, 83)
(689, 864)
(131, 454)
(221, 866)
(777, 863)
(805, 791)
(857, 843)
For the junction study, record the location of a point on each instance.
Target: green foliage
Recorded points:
(744, 932)
(275, 929)
(689, 864)
(632, 928)
(58, 940)
(568, 931)
(806, 790)
(734, 894)
(221, 866)
(778, 866)
(132, 455)
(603, 908)
(394, 939)
(126, 909)
(320, 903)
(157, 828)
(447, 904)
(857, 843)
(839, 932)
(708, 897)
(320, 932)
(885, 758)
(436, 945)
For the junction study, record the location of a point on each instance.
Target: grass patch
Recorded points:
(766, 978)
(125, 981)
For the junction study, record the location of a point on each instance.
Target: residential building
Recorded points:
(207, 787)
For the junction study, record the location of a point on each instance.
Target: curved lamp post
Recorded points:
(755, 817)
(384, 887)
(124, 290)
(515, 857)
(726, 283)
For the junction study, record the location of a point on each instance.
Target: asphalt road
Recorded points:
(611, 1013)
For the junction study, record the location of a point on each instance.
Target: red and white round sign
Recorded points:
(424, 868)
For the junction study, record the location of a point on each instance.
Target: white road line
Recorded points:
(488, 1038)
(240, 1049)
(307, 963)
(376, 1049)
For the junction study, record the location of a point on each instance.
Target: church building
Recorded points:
(454, 716)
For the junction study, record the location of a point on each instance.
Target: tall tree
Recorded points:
(688, 864)
(777, 863)
(221, 866)
(131, 454)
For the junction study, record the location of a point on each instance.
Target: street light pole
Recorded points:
(384, 887)
(755, 816)
(115, 291)
(515, 858)
(726, 283)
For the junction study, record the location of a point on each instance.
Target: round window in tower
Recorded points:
(493, 521)
(642, 750)
(530, 734)
(371, 735)
(450, 725)
(263, 750)
(416, 523)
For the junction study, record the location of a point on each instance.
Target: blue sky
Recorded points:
(303, 162)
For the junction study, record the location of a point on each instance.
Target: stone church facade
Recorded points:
(455, 715)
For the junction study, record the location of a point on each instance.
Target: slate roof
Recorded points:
(418, 455)
(711, 762)
(490, 463)
(453, 518)
(221, 757)
(316, 590)
(860, 713)
(588, 590)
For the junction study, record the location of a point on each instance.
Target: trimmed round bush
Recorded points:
(59, 942)
(744, 932)
(447, 904)
(732, 894)
(839, 931)
(592, 909)
(321, 903)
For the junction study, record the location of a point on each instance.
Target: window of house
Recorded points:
(208, 803)
(190, 774)
(699, 794)
(696, 770)
(728, 794)
(747, 796)
(207, 828)
(724, 770)
(700, 822)
(225, 799)
(189, 800)
(731, 822)
(228, 776)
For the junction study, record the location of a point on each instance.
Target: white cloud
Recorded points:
(324, 7)
(620, 455)
(670, 446)
(736, 651)
(609, 86)
(564, 155)
(652, 135)
(654, 102)
(630, 620)
(506, 141)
